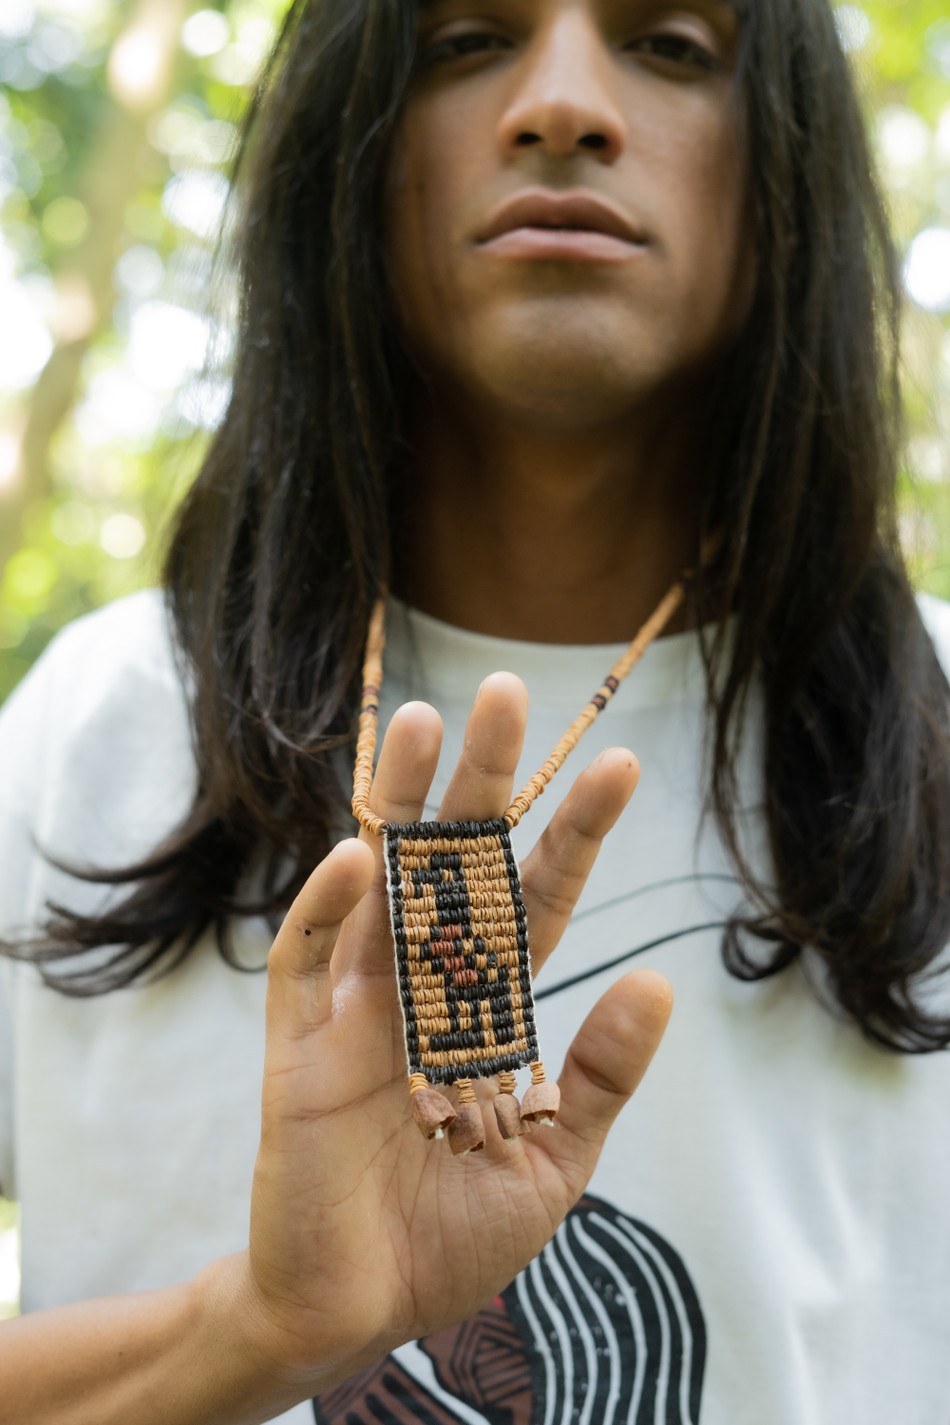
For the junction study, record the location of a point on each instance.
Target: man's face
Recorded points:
(565, 198)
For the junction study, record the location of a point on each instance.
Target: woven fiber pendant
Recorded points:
(460, 931)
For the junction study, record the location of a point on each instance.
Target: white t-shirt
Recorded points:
(766, 1239)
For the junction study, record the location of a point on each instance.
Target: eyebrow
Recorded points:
(737, 7)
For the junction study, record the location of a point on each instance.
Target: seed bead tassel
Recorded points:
(467, 1130)
(507, 1108)
(543, 1099)
(431, 1109)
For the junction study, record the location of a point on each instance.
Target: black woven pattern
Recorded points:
(461, 940)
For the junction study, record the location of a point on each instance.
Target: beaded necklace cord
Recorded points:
(460, 930)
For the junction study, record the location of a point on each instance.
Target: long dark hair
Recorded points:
(284, 540)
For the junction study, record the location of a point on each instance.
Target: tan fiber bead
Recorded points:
(541, 1103)
(467, 1130)
(432, 1112)
(508, 1116)
(507, 1107)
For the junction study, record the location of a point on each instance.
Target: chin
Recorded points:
(568, 382)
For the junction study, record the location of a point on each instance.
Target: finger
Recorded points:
(555, 872)
(299, 991)
(605, 1064)
(407, 762)
(481, 786)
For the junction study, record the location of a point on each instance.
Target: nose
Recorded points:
(563, 101)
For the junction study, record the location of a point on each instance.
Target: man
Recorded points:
(530, 328)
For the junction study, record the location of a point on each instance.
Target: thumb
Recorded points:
(608, 1058)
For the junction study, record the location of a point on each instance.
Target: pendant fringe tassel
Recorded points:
(464, 1126)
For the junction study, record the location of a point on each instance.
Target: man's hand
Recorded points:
(363, 1235)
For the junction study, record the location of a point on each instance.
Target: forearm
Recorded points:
(186, 1355)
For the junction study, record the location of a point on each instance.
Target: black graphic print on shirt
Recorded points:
(604, 1327)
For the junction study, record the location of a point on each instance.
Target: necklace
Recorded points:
(460, 929)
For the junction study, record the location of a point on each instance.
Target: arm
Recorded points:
(362, 1235)
(179, 1356)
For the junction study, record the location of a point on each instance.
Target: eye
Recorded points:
(677, 50)
(460, 46)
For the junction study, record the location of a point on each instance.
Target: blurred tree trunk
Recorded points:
(141, 78)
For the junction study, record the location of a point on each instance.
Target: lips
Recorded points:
(563, 212)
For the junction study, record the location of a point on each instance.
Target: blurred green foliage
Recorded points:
(117, 122)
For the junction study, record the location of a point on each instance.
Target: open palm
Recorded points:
(364, 1235)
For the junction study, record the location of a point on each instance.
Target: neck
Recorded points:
(572, 539)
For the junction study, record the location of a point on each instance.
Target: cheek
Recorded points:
(711, 231)
(416, 220)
